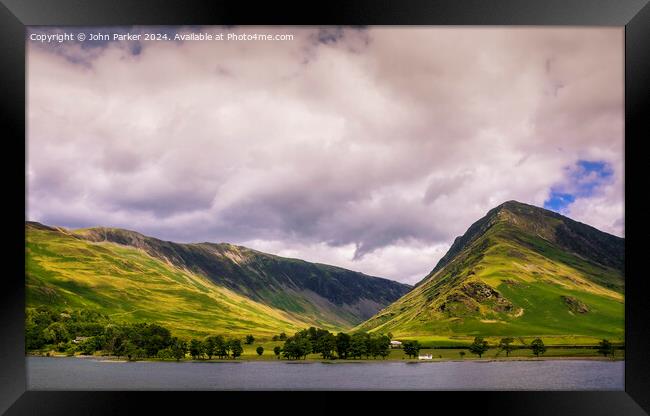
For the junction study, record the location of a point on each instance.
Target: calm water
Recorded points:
(91, 374)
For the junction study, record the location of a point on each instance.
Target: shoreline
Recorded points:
(105, 358)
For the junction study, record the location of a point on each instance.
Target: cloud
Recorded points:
(585, 179)
(370, 148)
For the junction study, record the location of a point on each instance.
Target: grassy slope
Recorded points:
(326, 295)
(129, 285)
(528, 271)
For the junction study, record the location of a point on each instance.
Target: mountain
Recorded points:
(519, 271)
(195, 288)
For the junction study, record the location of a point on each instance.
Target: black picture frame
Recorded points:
(15, 15)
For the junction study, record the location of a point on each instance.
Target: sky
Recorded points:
(366, 148)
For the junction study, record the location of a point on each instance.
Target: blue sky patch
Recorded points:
(582, 180)
(558, 201)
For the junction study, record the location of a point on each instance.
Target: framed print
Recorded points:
(434, 199)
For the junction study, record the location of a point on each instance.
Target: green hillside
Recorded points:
(73, 269)
(519, 271)
(129, 285)
(325, 295)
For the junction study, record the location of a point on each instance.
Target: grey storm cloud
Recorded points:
(369, 148)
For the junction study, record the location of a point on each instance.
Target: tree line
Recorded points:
(330, 346)
(86, 332)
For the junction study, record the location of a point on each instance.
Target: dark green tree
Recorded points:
(209, 346)
(165, 354)
(282, 337)
(196, 349)
(297, 347)
(259, 350)
(249, 339)
(342, 345)
(277, 350)
(221, 347)
(326, 345)
(411, 348)
(605, 348)
(291, 349)
(235, 347)
(462, 354)
(506, 345)
(358, 345)
(382, 345)
(538, 347)
(178, 348)
(132, 351)
(305, 347)
(56, 332)
(479, 347)
(89, 346)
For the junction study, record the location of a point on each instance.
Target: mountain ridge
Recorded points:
(518, 269)
(316, 293)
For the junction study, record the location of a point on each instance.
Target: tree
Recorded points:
(342, 345)
(89, 346)
(196, 349)
(383, 346)
(152, 338)
(304, 347)
(277, 350)
(282, 337)
(326, 345)
(538, 347)
(296, 347)
(221, 347)
(209, 346)
(260, 350)
(291, 349)
(249, 339)
(165, 354)
(479, 347)
(113, 339)
(462, 354)
(132, 352)
(358, 345)
(605, 348)
(178, 348)
(506, 345)
(378, 345)
(56, 333)
(411, 348)
(236, 348)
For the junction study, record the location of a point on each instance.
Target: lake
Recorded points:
(45, 373)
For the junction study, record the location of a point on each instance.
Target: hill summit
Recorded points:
(520, 270)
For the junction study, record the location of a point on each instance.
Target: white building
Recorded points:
(395, 344)
(426, 357)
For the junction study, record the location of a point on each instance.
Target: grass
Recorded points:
(531, 274)
(128, 285)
